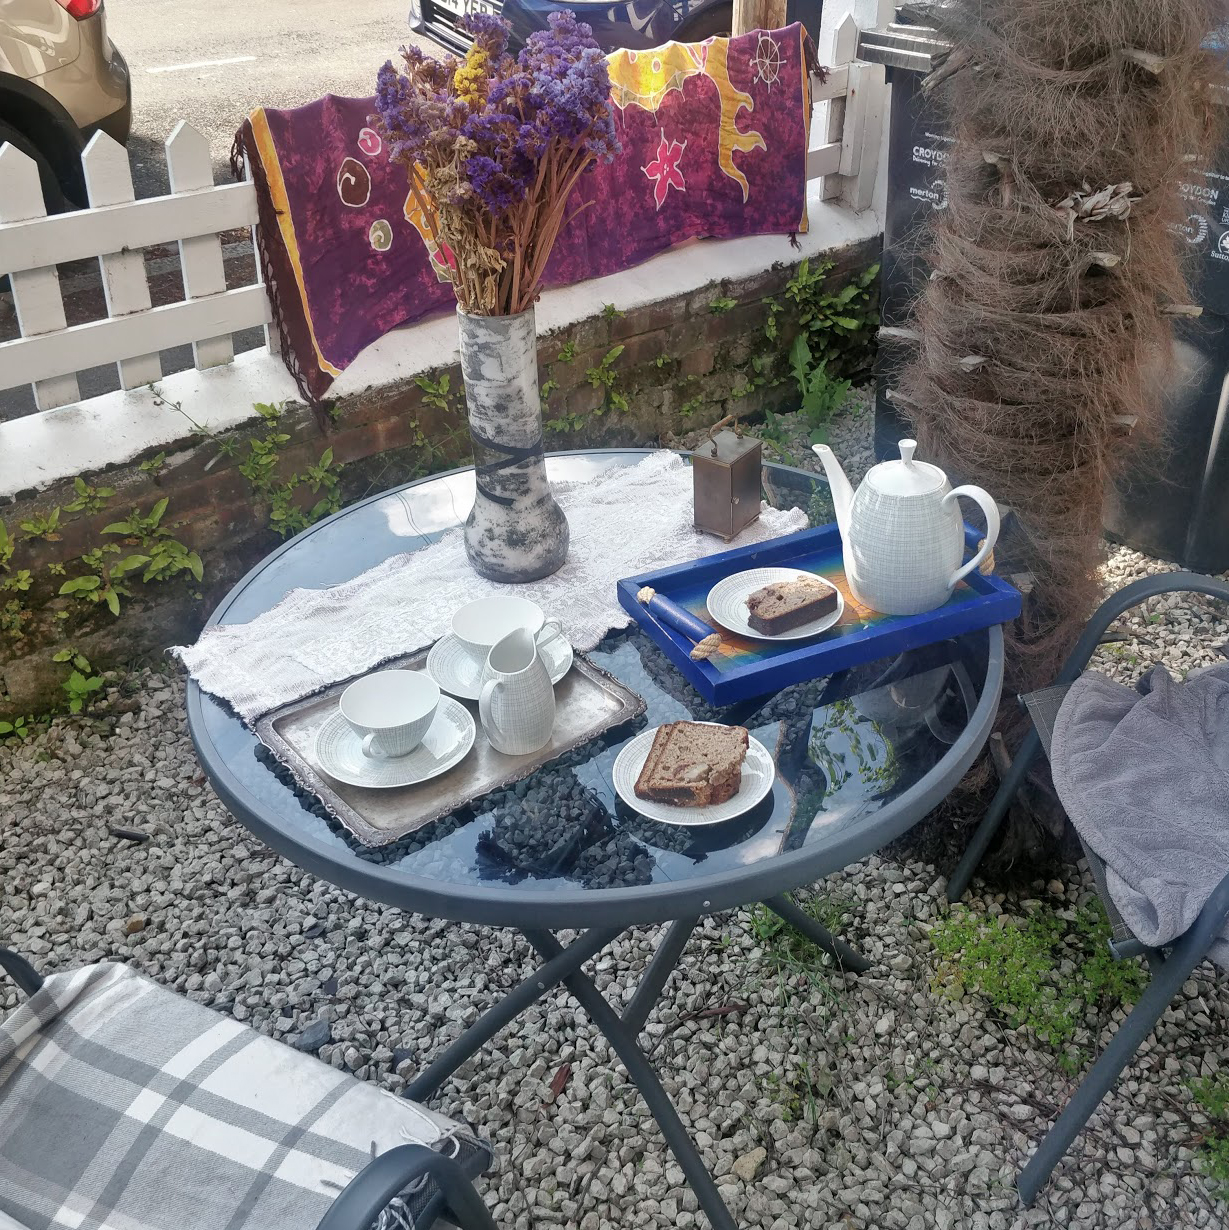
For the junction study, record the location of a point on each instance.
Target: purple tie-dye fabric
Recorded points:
(714, 140)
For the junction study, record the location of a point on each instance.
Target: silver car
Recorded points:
(61, 80)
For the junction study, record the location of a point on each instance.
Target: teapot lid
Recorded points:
(906, 476)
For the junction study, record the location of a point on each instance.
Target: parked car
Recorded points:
(635, 23)
(61, 80)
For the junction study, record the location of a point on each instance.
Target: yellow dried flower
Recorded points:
(470, 79)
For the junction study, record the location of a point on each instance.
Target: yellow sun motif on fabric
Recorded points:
(643, 80)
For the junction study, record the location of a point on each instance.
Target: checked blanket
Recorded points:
(714, 141)
(124, 1106)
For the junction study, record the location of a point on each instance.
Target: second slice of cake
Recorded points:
(785, 605)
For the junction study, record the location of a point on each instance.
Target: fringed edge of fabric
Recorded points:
(289, 322)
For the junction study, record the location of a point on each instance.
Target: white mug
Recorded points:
(391, 711)
(517, 702)
(481, 624)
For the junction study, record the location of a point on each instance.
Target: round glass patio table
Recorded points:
(861, 756)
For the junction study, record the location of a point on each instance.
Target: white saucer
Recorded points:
(456, 670)
(759, 772)
(727, 603)
(339, 751)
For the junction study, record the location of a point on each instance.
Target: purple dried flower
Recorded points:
(476, 132)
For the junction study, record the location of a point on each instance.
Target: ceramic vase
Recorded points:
(516, 532)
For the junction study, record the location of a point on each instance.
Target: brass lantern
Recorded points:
(726, 476)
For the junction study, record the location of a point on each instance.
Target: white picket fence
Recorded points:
(115, 228)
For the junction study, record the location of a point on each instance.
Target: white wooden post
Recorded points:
(844, 49)
(865, 116)
(36, 292)
(108, 180)
(190, 169)
(273, 339)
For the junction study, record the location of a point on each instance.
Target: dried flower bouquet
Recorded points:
(493, 146)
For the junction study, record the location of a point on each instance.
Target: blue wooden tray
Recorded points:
(745, 668)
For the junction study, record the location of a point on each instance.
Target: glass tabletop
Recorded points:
(860, 756)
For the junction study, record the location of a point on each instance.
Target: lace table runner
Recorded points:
(625, 522)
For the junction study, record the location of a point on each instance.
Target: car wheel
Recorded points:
(717, 21)
(52, 194)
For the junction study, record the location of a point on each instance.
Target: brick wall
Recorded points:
(684, 363)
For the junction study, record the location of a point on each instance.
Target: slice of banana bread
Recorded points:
(693, 764)
(785, 605)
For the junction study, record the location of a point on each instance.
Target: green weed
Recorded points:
(1016, 966)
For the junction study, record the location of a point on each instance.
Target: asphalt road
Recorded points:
(214, 62)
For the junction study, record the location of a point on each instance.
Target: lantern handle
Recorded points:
(716, 427)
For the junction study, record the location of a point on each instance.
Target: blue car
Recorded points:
(634, 24)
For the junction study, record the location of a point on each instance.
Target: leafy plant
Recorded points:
(261, 461)
(88, 500)
(838, 325)
(18, 728)
(567, 352)
(161, 555)
(287, 515)
(1212, 1095)
(1016, 965)
(604, 376)
(101, 583)
(719, 307)
(611, 312)
(438, 393)
(43, 527)
(82, 684)
(822, 397)
(13, 619)
(153, 465)
(773, 431)
(788, 953)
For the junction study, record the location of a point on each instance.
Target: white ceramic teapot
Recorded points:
(902, 532)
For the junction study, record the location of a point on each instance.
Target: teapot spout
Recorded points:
(838, 484)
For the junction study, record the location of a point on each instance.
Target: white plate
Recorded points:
(339, 751)
(727, 603)
(458, 672)
(759, 772)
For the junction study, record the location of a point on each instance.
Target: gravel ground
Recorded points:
(817, 1099)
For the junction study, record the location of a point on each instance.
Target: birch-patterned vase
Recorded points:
(516, 532)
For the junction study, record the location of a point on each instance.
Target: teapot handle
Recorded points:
(991, 511)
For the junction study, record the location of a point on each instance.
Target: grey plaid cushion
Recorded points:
(124, 1106)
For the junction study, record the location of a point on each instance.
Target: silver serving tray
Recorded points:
(588, 702)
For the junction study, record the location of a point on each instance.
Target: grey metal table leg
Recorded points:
(664, 961)
(645, 1079)
(428, 1082)
(819, 935)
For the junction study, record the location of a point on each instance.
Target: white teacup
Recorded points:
(391, 711)
(480, 625)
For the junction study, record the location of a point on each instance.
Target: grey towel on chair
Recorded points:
(1144, 777)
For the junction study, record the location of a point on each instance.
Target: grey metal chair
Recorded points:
(1169, 970)
(113, 1040)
